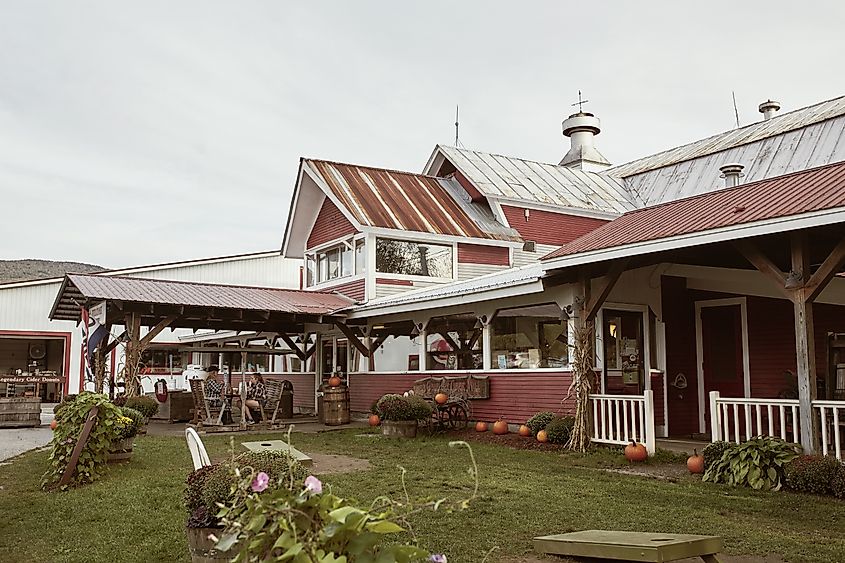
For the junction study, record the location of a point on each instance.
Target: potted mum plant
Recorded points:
(145, 405)
(209, 488)
(128, 424)
(400, 415)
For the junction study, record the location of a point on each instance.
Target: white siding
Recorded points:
(383, 290)
(467, 271)
(522, 258)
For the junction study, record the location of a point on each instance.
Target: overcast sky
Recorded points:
(142, 132)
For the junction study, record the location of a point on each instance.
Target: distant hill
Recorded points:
(19, 270)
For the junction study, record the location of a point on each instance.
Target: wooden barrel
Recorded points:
(20, 412)
(336, 405)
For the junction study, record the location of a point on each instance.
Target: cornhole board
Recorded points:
(279, 446)
(631, 546)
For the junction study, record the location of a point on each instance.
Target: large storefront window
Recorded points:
(454, 343)
(163, 361)
(260, 363)
(413, 258)
(530, 338)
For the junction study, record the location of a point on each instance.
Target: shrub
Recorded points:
(758, 463)
(812, 474)
(147, 406)
(194, 487)
(70, 420)
(397, 408)
(713, 451)
(559, 429)
(539, 421)
(837, 482)
(130, 423)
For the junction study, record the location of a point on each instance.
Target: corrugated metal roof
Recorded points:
(162, 292)
(504, 278)
(518, 179)
(723, 141)
(410, 202)
(801, 192)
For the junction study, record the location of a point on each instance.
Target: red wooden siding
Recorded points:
(483, 254)
(390, 281)
(513, 396)
(547, 227)
(331, 224)
(470, 189)
(354, 289)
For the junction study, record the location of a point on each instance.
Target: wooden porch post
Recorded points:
(805, 348)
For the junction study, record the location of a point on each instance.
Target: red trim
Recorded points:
(388, 281)
(55, 335)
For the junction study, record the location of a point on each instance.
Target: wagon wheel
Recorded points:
(457, 416)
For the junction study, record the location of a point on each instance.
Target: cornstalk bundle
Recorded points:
(581, 387)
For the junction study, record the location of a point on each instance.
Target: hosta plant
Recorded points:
(759, 463)
(713, 451)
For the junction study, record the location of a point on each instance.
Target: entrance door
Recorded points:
(722, 354)
(624, 354)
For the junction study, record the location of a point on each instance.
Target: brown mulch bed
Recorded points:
(510, 440)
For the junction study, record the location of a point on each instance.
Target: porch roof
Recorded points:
(810, 192)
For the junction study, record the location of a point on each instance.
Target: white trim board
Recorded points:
(699, 350)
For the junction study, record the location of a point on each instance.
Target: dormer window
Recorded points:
(331, 263)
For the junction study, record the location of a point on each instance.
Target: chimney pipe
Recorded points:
(768, 109)
(731, 173)
(581, 128)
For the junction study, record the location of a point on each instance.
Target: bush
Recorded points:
(130, 423)
(398, 408)
(837, 482)
(559, 429)
(713, 451)
(812, 474)
(147, 406)
(539, 421)
(758, 463)
(70, 419)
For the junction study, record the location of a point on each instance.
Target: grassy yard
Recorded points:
(134, 513)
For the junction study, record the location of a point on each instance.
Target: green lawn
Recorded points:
(134, 513)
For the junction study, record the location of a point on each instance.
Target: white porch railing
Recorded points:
(618, 419)
(738, 419)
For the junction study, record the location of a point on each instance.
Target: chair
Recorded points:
(197, 449)
(272, 401)
(213, 413)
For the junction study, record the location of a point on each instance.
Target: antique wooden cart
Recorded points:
(460, 391)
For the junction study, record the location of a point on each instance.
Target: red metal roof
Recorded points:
(811, 190)
(81, 287)
(390, 199)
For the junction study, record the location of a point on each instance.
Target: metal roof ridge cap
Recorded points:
(352, 165)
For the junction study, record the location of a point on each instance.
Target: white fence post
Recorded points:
(715, 426)
(649, 421)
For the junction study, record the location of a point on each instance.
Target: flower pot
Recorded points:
(121, 450)
(399, 428)
(202, 548)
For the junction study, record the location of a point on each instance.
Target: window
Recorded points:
(360, 257)
(454, 343)
(310, 270)
(529, 338)
(413, 258)
(329, 264)
(254, 362)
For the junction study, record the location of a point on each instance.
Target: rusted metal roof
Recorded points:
(80, 288)
(517, 179)
(802, 192)
(390, 199)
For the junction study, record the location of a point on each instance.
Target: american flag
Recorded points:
(93, 333)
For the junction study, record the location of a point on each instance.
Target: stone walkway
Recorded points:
(15, 441)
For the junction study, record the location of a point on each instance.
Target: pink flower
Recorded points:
(260, 482)
(313, 485)
(438, 558)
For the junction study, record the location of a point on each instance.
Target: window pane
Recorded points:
(454, 343)
(530, 338)
(413, 259)
(322, 268)
(360, 257)
(345, 262)
(310, 271)
(334, 263)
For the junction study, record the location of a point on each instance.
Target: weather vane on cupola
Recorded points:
(580, 103)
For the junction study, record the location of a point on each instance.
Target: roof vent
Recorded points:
(581, 128)
(768, 109)
(731, 173)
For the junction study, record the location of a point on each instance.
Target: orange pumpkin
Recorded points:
(542, 436)
(695, 463)
(53, 424)
(335, 381)
(480, 426)
(374, 420)
(635, 452)
(500, 427)
(441, 398)
(524, 431)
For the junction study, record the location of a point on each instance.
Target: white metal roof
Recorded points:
(796, 119)
(510, 178)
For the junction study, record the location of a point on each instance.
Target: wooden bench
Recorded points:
(631, 546)
(464, 387)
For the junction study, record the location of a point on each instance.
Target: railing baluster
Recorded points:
(759, 419)
(603, 419)
(632, 412)
(747, 413)
(595, 419)
(726, 422)
(771, 421)
(795, 436)
(641, 409)
(618, 422)
(837, 444)
(782, 422)
(823, 415)
(625, 418)
(736, 423)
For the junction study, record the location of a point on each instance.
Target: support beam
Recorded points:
(760, 261)
(804, 343)
(353, 338)
(157, 329)
(300, 353)
(114, 343)
(832, 265)
(612, 277)
(450, 341)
